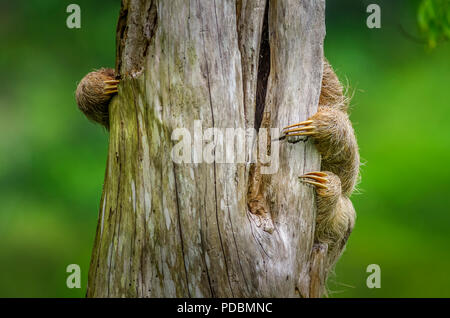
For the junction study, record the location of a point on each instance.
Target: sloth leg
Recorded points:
(94, 93)
(335, 140)
(335, 214)
(111, 87)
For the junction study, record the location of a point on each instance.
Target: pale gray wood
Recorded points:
(184, 230)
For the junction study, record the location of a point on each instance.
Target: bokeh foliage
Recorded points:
(433, 18)
(52, 160)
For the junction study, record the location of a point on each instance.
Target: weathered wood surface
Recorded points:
(184, 230)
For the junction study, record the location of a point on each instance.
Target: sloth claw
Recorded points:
(320, 178)
(296, 130)
(110, 87)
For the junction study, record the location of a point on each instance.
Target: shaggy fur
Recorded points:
(334, 138)
(91, 97)
(332, 133)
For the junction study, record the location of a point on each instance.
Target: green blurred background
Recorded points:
(52, 160)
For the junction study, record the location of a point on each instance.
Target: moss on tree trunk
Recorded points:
(185, 230)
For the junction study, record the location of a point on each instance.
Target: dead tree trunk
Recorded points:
(201, 229)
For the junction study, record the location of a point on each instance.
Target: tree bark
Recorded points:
(202, 229)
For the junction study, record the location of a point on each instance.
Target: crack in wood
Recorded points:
(215, 251)
(263, 69)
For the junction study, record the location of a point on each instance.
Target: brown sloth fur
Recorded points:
(335, 140)
(91, 97)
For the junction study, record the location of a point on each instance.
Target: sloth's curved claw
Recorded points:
(111, 82)
(306, 122)
(110, 87)
(320, 178)
(296, 130)
(110, 92)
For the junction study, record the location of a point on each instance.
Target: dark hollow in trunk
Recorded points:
(186, 230)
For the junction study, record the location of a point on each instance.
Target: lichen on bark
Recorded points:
(185, 230)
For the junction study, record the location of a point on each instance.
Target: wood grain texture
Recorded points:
(184, 230)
